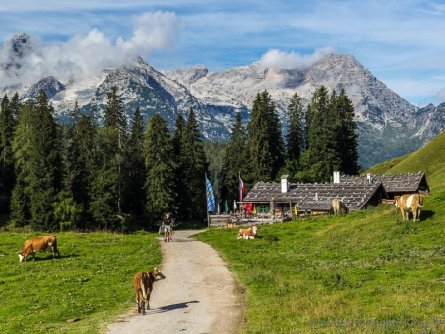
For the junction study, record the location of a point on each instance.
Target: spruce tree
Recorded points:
(45, 169)
(194, 164)
(107, 188)
(135, 194)
(81, 164)
(180, 187)
(21, 147)
(234, 162)
(295, 136)
(265, 142)
(347, 137)
(7, 175)
(323, 158)
(159, 163)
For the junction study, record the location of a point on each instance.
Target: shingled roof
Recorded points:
(307, 196)
(400, 183)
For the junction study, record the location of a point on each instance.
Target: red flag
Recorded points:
(242, 189)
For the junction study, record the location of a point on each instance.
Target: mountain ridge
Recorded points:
(388, 125)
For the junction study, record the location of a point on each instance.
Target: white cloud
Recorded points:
(158, 30)
(440, 95)
(86, 55)
(278, 59)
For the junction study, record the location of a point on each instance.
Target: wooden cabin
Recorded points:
(288, 199)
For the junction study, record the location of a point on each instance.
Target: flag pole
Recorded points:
(207, 201)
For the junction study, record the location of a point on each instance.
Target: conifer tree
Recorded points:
(194, 164)
(265, 141)
(347, 137)
(7, 175)
(21, 147)
(295, 136)
(180, 187)
(44, 163)
(81, 164)
(234, 162)
(107, 188)
(160, 166)
(135, 194)
(323, 158)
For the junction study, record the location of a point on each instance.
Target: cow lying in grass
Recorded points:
(409, 203)
(247, 233)
(143, 286)
(39, 244)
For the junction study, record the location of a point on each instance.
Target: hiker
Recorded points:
(167, 225)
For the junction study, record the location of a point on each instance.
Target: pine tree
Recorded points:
(134, 184)
(21, 147)
(180, 187)
(81, 164)
(265, 142)
(234, 162)
(45, 177)
(194, 164)
(107, 188)
(323, 158)
(160, 166)
(295, 134)
(347, 137)
(7, 175)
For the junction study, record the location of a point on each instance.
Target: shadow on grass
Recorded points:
(50, 257)
(426, 214)
(172, 307)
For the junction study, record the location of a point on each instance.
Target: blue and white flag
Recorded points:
(210, 197)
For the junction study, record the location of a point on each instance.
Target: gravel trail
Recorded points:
(199, 294)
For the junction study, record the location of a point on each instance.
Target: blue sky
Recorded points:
(401, 42)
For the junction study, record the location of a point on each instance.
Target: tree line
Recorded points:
(84, 176)
(320, 138)
(114, 176)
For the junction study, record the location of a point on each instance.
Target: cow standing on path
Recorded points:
(407, 203)
(143, 286)
(39, 244)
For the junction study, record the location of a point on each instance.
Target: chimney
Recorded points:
(336, 177)
(316, 196)
(284, 184)
(368, 177)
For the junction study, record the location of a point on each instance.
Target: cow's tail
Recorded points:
(420, 201)
(55, 249)
(144, 290)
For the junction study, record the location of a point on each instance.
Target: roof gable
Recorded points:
(400, 183)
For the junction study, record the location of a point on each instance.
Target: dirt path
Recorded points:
(199, 294)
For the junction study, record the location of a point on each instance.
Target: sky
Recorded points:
(401, 42)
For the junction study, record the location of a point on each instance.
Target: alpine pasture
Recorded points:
(80, 292)
(365, 272)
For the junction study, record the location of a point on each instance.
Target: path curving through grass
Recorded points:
(199, 294)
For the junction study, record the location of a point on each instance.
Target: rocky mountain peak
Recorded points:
(15, 49)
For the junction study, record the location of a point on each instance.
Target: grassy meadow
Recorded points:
(92, 281)
(366, 272)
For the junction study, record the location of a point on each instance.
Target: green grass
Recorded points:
(91, 281)
(367, 272)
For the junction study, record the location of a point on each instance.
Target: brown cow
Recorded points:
(407, 203)
(143, 286)
(39, 244)
(248, 233)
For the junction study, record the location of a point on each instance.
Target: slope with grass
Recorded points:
(366, 272)
(90, 283)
